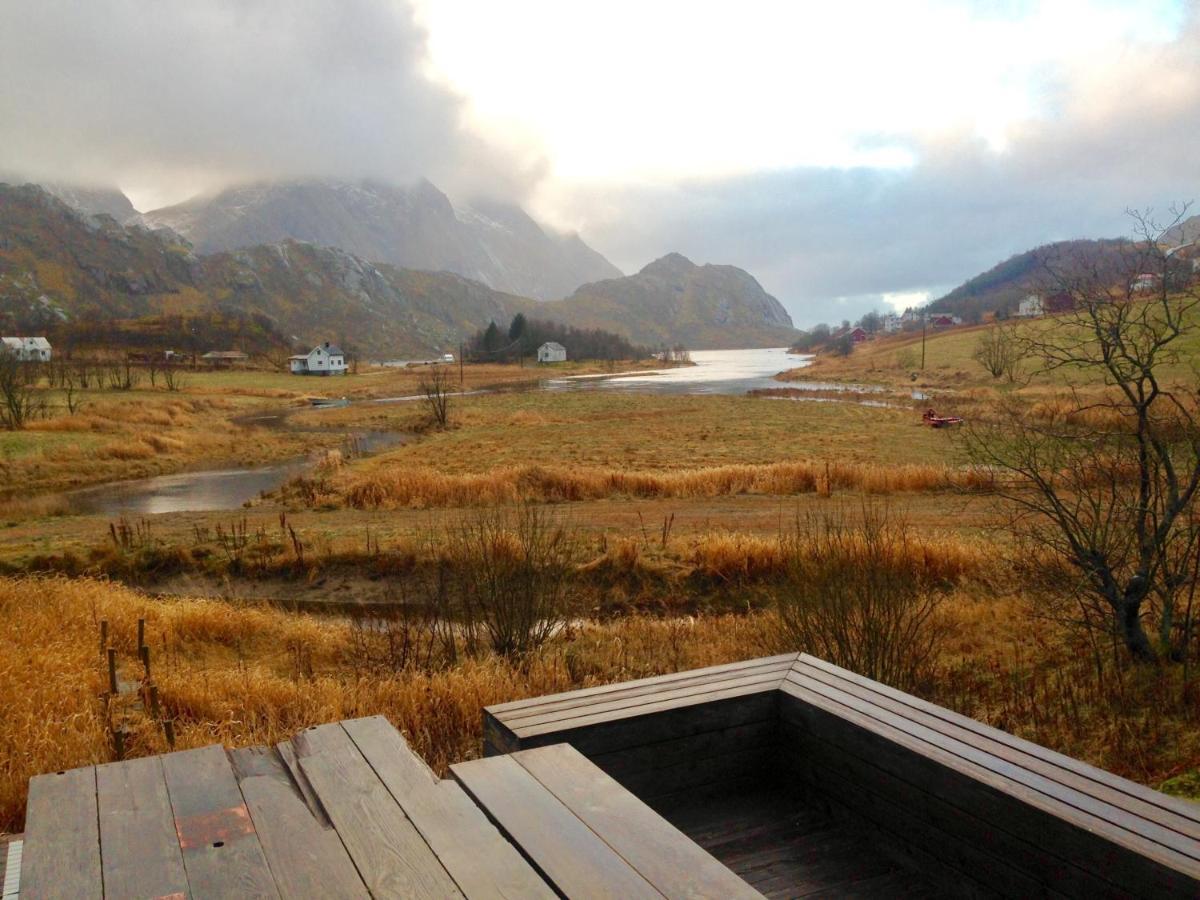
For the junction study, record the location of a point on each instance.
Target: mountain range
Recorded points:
(416, 227)
(59, 264)
(716, 307)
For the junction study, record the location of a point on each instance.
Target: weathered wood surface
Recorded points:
(139, 849)
(893, 785)
(660, 853)
(519, 724)
(478, 858)
(783, 847)
(306, 856)
(387, 849)
(61, 855)
(567, 852)
(221, 849)
(1026, 815)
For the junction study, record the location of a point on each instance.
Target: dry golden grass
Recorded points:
(396, 487)
(244, 675)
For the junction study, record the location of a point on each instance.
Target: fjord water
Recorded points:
(712, 372)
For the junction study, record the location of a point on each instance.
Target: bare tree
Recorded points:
(861, 593)
(1106, 480)
(514, 569)
(435, 387)
(999, 352)
(18, 398)
(173, 376)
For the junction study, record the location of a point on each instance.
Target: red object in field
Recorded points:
(933, 420)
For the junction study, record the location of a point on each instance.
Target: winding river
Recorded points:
(713, 372)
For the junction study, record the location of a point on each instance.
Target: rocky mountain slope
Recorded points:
(58, 265)
(415, 227)
(673, 300)
(1003, 286)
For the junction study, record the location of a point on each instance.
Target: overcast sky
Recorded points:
(849, 155)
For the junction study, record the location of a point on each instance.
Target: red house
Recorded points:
(858, 335)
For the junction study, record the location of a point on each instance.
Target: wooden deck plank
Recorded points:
(1001, 804)
(386, 750)
(221, 850)
(663, 855)
(61, 854)
(704, 706)
(565, 851)
(306, 856)
(683, 721)
(631, 691)
(478, 858)
(585, 695)
(1116, 822)
(1154, 806)
(388, 851)
(647, 704)
(139, 849)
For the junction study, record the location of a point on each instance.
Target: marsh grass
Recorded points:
(397, 487)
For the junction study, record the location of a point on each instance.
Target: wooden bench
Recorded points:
(658, 736)
(587, 835)
(980, 807)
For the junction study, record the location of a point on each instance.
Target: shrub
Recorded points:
(861, 593)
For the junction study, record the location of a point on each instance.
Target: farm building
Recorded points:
(858, 335)
(326, 359)
(221, 359)
(1031, 307)
(28, 349)
(552, 351)
(1144, 283)
(944, 321)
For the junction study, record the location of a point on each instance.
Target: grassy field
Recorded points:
(680, 507)
(894, 360)
(148, 430)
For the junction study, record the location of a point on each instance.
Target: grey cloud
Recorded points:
(829, 242)
(228, 90)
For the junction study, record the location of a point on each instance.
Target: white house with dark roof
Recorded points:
(325, 359)
(552, 351)
(27, 349)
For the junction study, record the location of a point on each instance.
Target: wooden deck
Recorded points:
(784, 846)
(970, 808)
(779, 777)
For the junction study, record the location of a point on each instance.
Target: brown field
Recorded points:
(243, 675)
(681, 506)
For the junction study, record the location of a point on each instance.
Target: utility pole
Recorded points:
(460, 363)
(924, 325)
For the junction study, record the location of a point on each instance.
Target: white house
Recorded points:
(890, 323)
(326, 359)
(28, 349)
(552, 351)
(1145, 282)
(1031, 307)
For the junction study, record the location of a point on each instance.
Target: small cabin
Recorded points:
(28, 349)
(325, 359)
(1031, 307)
(1144, 283)
(858, 335)
(551, 352)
